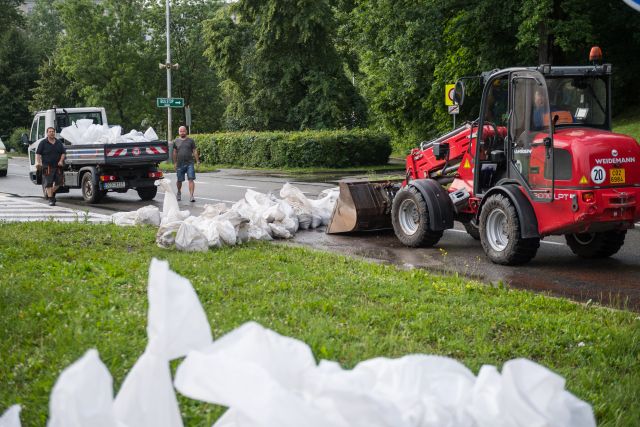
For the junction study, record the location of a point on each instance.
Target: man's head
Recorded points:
(182, 131)
(539, 98)
(51, 132)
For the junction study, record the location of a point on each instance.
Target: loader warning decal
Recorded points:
(598, 175)
(584, 180)
(467, 165)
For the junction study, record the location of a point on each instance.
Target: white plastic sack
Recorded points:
(322, 208)
(11, 417)
(176, 325)
(148, 215)
(150, 135)
(124, 218)
(190, 239)
(83, 395)
(170, 209)
(166, 235)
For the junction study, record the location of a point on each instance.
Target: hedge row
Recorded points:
(295, 149)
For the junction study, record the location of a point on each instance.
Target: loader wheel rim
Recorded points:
(409, 217)
(584, 238)
(497, 235)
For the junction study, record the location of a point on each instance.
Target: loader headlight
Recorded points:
(2, 151)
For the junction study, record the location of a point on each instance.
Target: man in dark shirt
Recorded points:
(50, 159)
(184, 156)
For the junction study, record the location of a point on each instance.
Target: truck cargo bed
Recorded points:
(129, 153)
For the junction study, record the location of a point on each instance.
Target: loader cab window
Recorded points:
(531, 150)
(579, 100)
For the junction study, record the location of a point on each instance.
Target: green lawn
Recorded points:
(628, 123)
(168, 167)
(67, 288)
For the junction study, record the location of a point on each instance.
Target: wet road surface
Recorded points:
(614, 281)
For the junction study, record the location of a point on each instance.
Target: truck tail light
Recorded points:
(588, 197)
(108, 178)
(155, 175)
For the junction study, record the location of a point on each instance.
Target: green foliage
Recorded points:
(279, 67)
(90, 292)
(17, 68)
(295, 149)
(15, 140)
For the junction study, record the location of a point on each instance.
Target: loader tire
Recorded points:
(472, 229)
(410, 219)
(596, 245)
(500, 233)
(90, 191)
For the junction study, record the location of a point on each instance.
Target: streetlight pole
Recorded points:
(169, 132)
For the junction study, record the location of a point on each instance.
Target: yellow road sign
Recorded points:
(448, 94)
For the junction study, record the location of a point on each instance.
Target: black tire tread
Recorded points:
(604, 244)
(424, 236)
(519, 251)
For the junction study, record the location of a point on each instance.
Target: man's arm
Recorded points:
(38, 160)
(61, 161)
(195, 154)
(175, 155)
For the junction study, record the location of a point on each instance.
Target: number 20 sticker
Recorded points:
(598, 175)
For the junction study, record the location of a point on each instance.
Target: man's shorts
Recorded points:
(52, 175)
(188, 169)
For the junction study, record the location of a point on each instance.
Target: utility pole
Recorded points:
(168, 65)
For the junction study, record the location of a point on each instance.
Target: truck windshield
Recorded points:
(580, 100)
(63, 120)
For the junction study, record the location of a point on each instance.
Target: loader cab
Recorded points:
(515, 141)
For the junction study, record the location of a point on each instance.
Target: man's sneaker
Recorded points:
(193, 199)
(52, 201)
(179, 196)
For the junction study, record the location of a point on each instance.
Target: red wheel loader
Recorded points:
(540, 160)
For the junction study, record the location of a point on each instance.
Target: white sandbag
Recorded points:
(212, 211)
(11, 417)
(227, 232)
(176, 325)
(148, 215)
(71, 134)
(190, 239)
(323, 206)
(166, 235)
(124, 218)
(150, 135)
(170, 209)
(279, 231)
(83, 395)
(259, 232)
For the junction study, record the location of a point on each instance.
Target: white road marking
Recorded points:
(240, 186)
(15, 209)
(15, 174)
(206, 198)
(542, 241)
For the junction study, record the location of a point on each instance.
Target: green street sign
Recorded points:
(170, 102)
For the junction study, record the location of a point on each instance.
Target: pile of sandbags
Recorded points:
(269, 380)
(84, 131)
(257, 216)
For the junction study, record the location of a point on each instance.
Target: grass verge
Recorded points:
(628, 123)
(66, 288)
(168, 167)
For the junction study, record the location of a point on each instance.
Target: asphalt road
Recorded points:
(614, 281)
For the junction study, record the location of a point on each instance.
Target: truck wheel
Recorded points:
(472, 229)
(147, 193)
(90, 191)
(3, 172)
(410, 219)
(500, 233)
(596, 245)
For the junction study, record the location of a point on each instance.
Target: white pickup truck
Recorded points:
(98, 168)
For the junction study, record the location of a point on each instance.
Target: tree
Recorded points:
(279, 66)
(17, 68)
(102, 51)
(195, 81)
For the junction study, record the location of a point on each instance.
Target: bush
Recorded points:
(295, 149)
(14, 141)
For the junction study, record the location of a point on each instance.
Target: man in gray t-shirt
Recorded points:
(184, 156)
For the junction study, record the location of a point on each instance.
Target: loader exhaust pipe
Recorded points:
(362, 205)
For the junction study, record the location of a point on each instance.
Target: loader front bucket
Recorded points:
(362, 205)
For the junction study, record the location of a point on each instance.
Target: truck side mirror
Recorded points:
(24, 139)
(458, 92)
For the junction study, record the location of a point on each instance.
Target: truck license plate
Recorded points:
(616, 176)
(115, 184)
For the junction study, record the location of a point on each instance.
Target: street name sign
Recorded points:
(170, 102)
